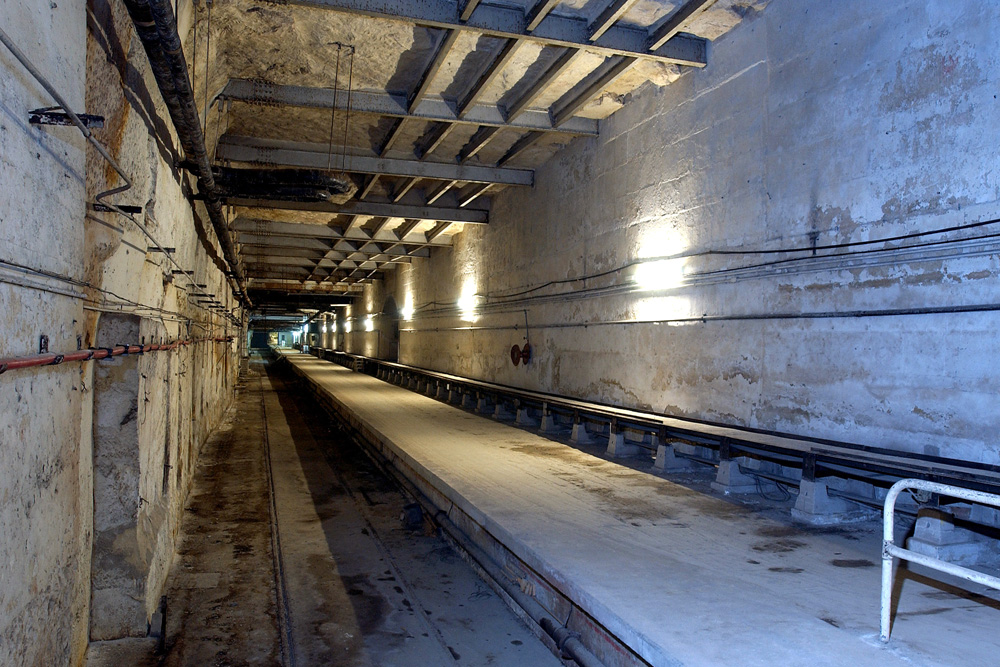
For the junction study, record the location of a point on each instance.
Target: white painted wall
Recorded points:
(841, 122)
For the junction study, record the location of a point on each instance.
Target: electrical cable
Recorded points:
(89, 136)
(705, 253)
(333, 111)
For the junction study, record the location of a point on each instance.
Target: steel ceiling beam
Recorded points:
(611, 14)
(519, 146)
(477, 142)
(249, 149)
(438, 230)
(520, 106)
(512, 23)
(444, 47)
(396, 105)
(250, 228)
(430, 141)
(588, 89)
(489, 75)
(472, 193)
(676, 22)
(539, 12)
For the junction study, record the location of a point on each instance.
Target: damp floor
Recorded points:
(326, 573)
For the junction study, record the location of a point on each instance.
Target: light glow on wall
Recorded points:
(659, 308)
(406, 312)
(370, 323)
(347, 326)
(660, 274)
(468, 301)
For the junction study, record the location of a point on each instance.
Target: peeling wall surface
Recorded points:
(80, 493)
(815, 125)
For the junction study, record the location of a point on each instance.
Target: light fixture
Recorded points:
(370, 323)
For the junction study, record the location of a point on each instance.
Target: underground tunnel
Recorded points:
(594, 333)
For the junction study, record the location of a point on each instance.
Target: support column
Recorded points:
(617, 447)
(729, 479)
(814, 505)
(667, 460)
(118, 568)
(524, 417)
(579, 434)
(548, 421)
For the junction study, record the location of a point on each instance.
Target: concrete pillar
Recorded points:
(729, 478)
(579, 434)
(118, 567)
(617, 445)
(816, 506)
(524, 417)
(666, 457)
(500, 411)
(548, 422)
(937, 535)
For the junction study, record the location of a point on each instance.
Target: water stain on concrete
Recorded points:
(852, 562)
(778, 546)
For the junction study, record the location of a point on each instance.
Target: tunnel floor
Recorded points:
(330, 574)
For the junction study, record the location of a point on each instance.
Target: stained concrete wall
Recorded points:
(44, 507)
(97, 263)
(815, 123)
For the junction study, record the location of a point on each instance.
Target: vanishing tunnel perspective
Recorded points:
(594, 333)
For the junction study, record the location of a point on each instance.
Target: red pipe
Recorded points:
(53, 359)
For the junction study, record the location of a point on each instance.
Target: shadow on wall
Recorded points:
(389, 331)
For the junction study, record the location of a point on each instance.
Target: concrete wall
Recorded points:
(99, 263)
(815, 123)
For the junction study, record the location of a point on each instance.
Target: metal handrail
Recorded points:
(890, 550)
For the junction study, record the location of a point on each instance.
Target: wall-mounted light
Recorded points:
(370, 323)
(347, 326)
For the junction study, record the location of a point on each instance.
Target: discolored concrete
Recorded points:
(677, 575)
(356, 586)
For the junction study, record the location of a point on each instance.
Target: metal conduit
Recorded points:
(54, 359)
(98, 146)
(156, 27)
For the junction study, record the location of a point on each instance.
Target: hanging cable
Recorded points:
(75, 119)
(333, 111)
(347, 119)
(208, 57)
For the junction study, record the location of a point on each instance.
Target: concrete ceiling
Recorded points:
(434, 106)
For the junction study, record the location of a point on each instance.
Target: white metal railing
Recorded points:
(890, 550)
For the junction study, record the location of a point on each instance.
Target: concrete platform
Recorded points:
(679, 577)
